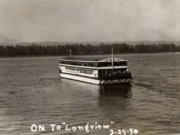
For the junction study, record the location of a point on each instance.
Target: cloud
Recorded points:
(90, 20)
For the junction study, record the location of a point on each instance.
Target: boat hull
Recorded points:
(93, 80)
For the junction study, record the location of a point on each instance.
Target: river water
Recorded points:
(32, 93)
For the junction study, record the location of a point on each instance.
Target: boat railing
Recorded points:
(114, 76)
(94, 64)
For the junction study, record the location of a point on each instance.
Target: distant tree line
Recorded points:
(55, 48)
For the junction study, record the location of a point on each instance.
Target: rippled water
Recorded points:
(31, 92)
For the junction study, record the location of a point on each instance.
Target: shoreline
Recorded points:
(32, 56)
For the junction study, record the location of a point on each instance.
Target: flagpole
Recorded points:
(70, 53)
(112, 58)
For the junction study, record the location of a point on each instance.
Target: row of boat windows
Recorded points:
(101, 73)
(86, 71)
(95, 64)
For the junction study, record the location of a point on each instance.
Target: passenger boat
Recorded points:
(95, 70)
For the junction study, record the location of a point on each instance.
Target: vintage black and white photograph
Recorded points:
(89, 67)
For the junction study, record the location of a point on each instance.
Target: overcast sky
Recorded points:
(90, 20)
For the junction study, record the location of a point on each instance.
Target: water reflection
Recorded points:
(115, 103)
(118, 90)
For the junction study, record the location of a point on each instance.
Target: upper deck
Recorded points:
(88, 61)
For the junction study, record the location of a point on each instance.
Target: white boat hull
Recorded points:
(93, 80)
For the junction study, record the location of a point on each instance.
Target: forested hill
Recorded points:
(55, 48)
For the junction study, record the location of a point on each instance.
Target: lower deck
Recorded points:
(120, 73)
(94, 80)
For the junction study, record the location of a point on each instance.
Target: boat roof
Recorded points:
(91, 59)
